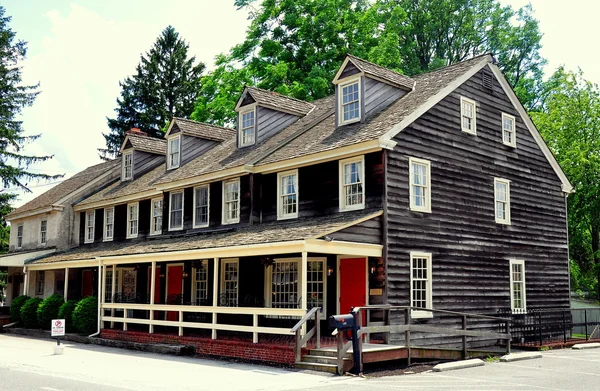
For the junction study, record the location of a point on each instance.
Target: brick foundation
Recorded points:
(263, 352)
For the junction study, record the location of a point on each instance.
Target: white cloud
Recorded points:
(84, 56)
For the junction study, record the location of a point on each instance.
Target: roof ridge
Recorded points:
(280, 94)
(146, 136)
(202, 123)
(454, 65)
(377, 65)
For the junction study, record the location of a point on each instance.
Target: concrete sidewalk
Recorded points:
(131, 370)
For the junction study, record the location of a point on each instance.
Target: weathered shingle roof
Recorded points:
(148, 144)
(279, 102)
(380, 72)
(203, 130)
(281, 231)
(68, 186)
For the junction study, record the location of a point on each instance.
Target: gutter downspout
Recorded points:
(99, 296)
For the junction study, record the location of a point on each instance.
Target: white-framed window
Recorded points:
(284, 280)
(518, 302)
(420, 185)
(229, 282)
(349, 105)
(200, 284)
(174, 152)
(176, 210)
(109, 224)
(468, 115)
(90, 217)
(287, 195)
(156, 220)
(502, 200)
(247, 123)
(40, 282)
(420, 284)
(509, 134)
(19, 235)
(231, 201)
(43, 232)
(133, 214)
(108, 284)
(201, 206)
(352, 183)
(127, 164)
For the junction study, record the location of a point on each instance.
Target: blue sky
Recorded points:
(79, 51)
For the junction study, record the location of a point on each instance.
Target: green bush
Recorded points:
(85, 315)
(48, 310)
(29, 313)
(66, 312)
(15, 308)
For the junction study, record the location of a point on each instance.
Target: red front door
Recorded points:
(353, 283)
(174, 288)
(87, 285)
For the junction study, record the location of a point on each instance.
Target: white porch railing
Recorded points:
(255, 329)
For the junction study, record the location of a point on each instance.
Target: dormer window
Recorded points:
(174, 152)
(350, 102)
(127, 162)
(246, 128)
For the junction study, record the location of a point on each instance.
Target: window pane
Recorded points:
(201, 206)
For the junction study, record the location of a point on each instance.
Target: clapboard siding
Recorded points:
(144, 162)
(271, 122)
(378, 95)
(349, 70)
(192, 147)
(369, 231)
(470, 251)
(318, 189)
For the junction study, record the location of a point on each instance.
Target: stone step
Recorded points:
(322, 359)
(331, 368)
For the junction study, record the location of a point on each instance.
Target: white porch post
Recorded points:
(215, 295)
(112, 292)
(26, 282)
(102, 276)
(304, 287)
(152, 288)
(66, 293)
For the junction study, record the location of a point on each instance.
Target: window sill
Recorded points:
(416, 314)
(200, 226)
(352, 121)
(230, 222)
(175, 229)
(351, 208)
(503, 222)
(519, 311)
(420, 210)
(172, 168)
(468, 131)
(88, 241)
(131, 237)
(156, 233)
(107, 239)
(288, 217)
(509, 145)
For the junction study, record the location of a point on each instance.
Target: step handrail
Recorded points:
(315, 331)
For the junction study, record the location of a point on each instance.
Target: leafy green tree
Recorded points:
(295, 47)
(166, 84)
(14, 96)
(570, 123)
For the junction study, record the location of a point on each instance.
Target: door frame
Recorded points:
(338, 258)
(167, 278)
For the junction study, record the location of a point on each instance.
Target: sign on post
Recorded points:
(58, 327)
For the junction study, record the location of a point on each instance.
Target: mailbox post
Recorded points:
(348, 323)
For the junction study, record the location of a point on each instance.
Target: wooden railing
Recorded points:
(315, 331)
(408, 327)
(255, 329)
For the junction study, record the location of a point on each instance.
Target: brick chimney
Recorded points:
(136, 131)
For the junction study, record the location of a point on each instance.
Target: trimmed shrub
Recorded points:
(66, 312)
(15, 308)
(85, 315)
(29, 313)
(48, 310)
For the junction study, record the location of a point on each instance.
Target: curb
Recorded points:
(520, 356)
(450, 366)
(581, 346)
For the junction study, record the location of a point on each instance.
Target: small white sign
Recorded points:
(58, 327)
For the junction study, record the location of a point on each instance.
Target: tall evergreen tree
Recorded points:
(14, 164)
(166, 84)
(295, 47)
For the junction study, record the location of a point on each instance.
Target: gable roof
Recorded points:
(55, 196)
(144, 143)
(377, 72)
(276, 101)
(200, 129)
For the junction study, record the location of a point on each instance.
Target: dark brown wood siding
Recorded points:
(144, 162)
(270, 122)
(192, 147)
(369, 231)
(470, 251)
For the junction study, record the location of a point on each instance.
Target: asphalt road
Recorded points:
(28, 364)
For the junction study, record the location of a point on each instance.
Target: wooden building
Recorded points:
(435, 192)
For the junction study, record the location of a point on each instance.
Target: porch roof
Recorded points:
(18, 259)
(267, 237)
